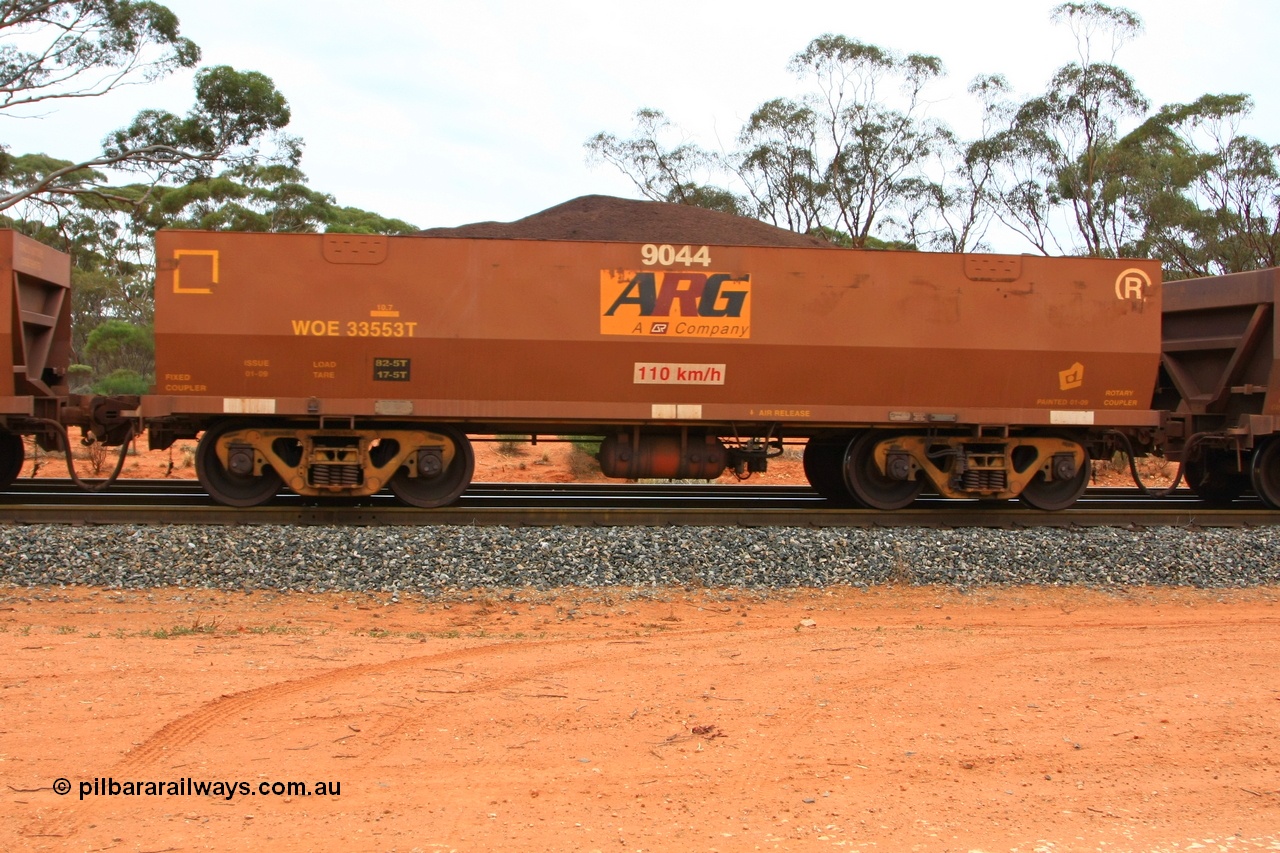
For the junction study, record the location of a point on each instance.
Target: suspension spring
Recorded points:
(336, 475)
(984, 480)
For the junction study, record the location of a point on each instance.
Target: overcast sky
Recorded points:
(442, 113)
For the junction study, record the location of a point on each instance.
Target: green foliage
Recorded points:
(588, 445)
(1066, 138)
(353, 220)
(711, 198)
(1209, 198)
(122, 382)
(780, 160)
(233, 109)
(248, 198)
(113, 338)
(834, 160)
(894, 245)
(511, 445)
(832, 236)
(1180, 183)
(839, 238)
(116, 345)
(584, 461)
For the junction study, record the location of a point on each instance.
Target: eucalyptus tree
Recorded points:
(847, 154)
(1061, 149)
(226, 163)
(835, 161)
(59, 52)
(952, 205)
(1087, 167)
(676, 172)
(780, 167)
(66, 50)
(1210, 195)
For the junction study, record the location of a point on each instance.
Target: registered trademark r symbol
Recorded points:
(1133, 283)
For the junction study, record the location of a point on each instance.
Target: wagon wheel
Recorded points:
(444, 487)
(1266, 473)
(1212, 476)
(870, 487)
(824, 468)
(11, 457)
(1056, 494)
(225, 487)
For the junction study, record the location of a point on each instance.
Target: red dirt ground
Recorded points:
(893, 719)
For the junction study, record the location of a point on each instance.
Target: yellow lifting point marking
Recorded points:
(178, 253)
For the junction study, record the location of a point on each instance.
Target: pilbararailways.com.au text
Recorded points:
(188, 787)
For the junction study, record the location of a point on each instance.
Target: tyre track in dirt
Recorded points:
(189, 729)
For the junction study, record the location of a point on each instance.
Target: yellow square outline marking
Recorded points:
(178, 253)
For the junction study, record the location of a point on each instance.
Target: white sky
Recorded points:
(442, 113)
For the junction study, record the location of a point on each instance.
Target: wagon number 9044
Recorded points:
(665, 255)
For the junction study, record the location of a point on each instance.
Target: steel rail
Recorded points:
(155, 502)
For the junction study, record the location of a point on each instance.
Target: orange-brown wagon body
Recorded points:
(561, 335)
(665, 349)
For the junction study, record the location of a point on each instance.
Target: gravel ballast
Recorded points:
(434, 560)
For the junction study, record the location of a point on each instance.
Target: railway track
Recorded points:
(57, 501)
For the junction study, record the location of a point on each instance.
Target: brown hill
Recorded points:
(621, 220)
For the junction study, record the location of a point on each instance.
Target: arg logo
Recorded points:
(675, 304)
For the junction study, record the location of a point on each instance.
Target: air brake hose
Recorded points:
(60, 431)
(1133, 465)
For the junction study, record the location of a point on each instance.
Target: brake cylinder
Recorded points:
(662, 457)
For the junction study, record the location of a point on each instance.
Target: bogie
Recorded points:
(437, 469)
(244, 464)
(884, 470)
